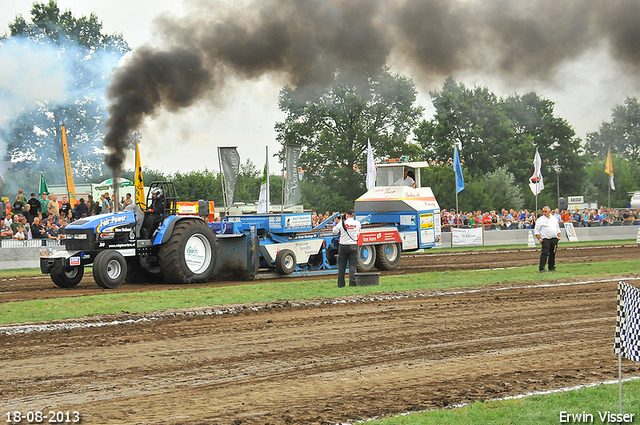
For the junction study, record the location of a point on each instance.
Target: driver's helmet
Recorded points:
(156, 191)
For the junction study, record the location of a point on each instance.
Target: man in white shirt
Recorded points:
(407, 180)
(349, 230)
(547, 231)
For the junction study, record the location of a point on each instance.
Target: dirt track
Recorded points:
(39, 287)
(324, 362)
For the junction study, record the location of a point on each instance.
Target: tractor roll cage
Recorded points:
(170, 196)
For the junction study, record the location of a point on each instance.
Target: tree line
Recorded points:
(496, 136)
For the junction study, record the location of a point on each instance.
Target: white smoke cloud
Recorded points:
(31, 74)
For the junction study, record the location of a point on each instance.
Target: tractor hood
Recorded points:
(105, 223)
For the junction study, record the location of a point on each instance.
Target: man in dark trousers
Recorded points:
(349, 229)
(547, 231)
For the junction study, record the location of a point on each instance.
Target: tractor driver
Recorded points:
(408, 179)
(154, 213)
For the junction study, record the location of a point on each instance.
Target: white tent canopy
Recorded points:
(108, 184)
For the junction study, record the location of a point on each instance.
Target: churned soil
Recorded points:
(317, 362)
(40, 287)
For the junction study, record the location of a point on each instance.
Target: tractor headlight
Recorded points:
(80, 236)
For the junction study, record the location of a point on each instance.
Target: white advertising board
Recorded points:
(466, 237)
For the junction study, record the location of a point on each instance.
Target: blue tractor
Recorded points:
(144, 243)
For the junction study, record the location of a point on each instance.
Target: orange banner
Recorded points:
(71, 190)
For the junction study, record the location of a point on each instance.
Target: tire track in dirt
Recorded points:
(320, 363)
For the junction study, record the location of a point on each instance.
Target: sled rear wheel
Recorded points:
(286, 261)
(388, 256)
(366, 258)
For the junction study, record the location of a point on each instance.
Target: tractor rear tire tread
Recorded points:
(172, 260)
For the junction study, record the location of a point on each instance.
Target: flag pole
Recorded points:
(456, 177)
(620, 382)
(610, 171)
(457, 211)
(284, 164)
(457, 171)
(268, 188)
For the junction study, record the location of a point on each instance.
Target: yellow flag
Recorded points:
(71, 189)
(138, 179)
(609, 166)
(609, 169)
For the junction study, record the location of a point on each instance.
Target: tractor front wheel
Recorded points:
(67, 278)
(109, 269)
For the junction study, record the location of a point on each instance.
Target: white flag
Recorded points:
(535, 182)
(371, 167)
(263, 201)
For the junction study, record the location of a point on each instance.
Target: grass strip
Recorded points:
(267, 291)
(561, 244)
(534, 410)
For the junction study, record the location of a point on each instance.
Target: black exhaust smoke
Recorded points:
(308, 41)
(173, 79)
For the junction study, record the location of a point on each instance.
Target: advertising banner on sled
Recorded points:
(466, 237)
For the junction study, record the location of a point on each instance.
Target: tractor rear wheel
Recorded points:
(388, 256)
(189, 255)
(109, 269)
(68, 278)
(366, 258)
(286, 261)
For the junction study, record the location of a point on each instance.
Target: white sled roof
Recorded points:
(396, 198)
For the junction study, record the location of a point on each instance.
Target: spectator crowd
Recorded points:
(47, 218)
(524, 219)
(511, 220)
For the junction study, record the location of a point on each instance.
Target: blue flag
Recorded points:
(458, 170)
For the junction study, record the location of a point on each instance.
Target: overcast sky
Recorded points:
(186, 141)
(584, 89)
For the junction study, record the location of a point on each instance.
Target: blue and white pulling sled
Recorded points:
(395, 219)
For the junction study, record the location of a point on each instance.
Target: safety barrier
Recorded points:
(584, 234)
(519, 226)
(15, 243)
(24, 254)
